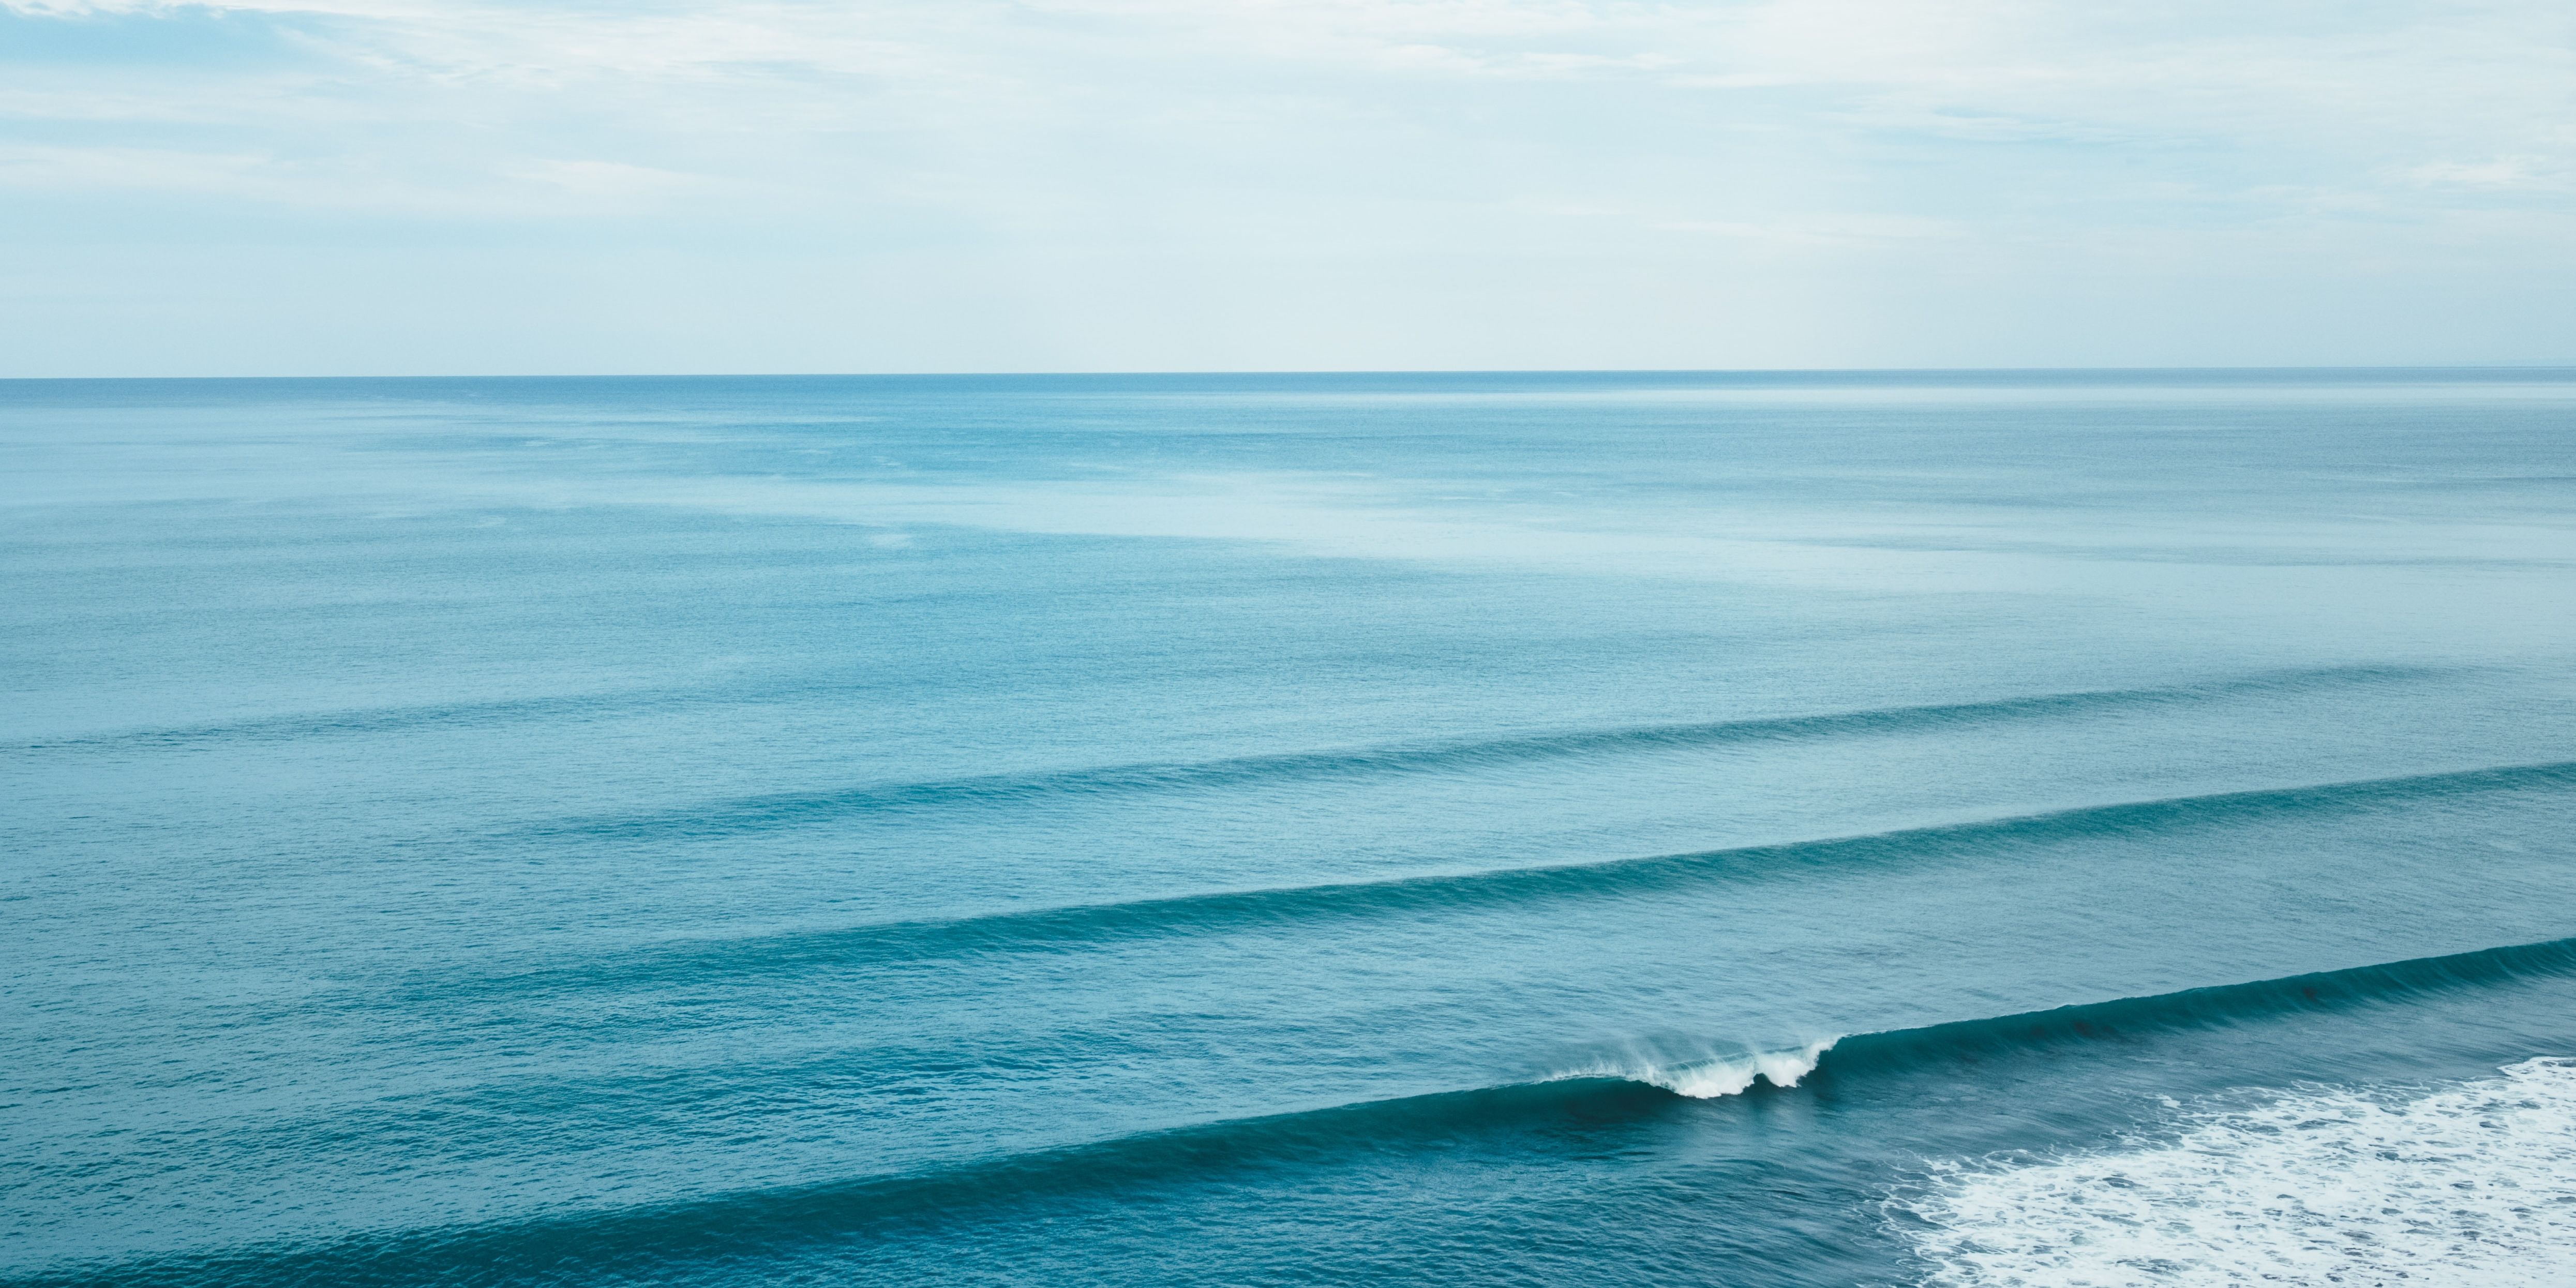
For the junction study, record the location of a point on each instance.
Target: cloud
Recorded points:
(2523, 172)
(1820, 230)
(1151, 149)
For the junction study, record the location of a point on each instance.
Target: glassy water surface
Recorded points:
(1290, 829)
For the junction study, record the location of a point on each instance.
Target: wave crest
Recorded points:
(1726, 1075)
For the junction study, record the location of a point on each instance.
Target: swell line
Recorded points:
(649, 1242)
(1084, 925)
(652, 1239)
(2199, 1008)
(464, 714)
(796, 809)
(1865, 1055)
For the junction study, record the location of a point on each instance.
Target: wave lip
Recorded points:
(1898, 1050)
(1716, 1076)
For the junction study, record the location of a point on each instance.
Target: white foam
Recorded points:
(2472, 1185)
(1720, 1075)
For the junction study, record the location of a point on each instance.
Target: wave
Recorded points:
(389, 719)
(1967, 1041)
(797, 809)
(1149, 775)
(650, 1240)
(1085, 925)
(1717, 1076)
(2198, 1008)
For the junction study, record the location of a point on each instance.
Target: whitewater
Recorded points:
(2470, 1184)
(1802, 829)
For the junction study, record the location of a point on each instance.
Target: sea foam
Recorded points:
(2474, 1184)
(1724, 1075)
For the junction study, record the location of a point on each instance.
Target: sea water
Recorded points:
(1958, 829)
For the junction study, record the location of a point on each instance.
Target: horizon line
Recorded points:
(2568, 367)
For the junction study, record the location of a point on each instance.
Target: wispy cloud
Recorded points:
(1359, 145)
(2527, 173)
(1821, 230)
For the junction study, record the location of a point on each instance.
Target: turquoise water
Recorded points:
(1297, 829)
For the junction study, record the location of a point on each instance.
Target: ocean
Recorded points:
(2071, 828)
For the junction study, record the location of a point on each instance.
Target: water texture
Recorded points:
(1917, 828)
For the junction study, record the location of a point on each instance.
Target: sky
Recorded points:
(355, 187)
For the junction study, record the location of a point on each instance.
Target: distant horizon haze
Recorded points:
(2552, 370)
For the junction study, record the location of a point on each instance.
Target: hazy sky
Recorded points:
(398, 186)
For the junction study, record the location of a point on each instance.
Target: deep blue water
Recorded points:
(1299, 829)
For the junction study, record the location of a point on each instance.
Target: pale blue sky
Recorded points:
(418, 186)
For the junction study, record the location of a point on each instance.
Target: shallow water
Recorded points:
(1353, 829)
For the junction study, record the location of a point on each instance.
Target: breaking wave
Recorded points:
(1858, 1056)
(1955, 1215)
(1725, 1075)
